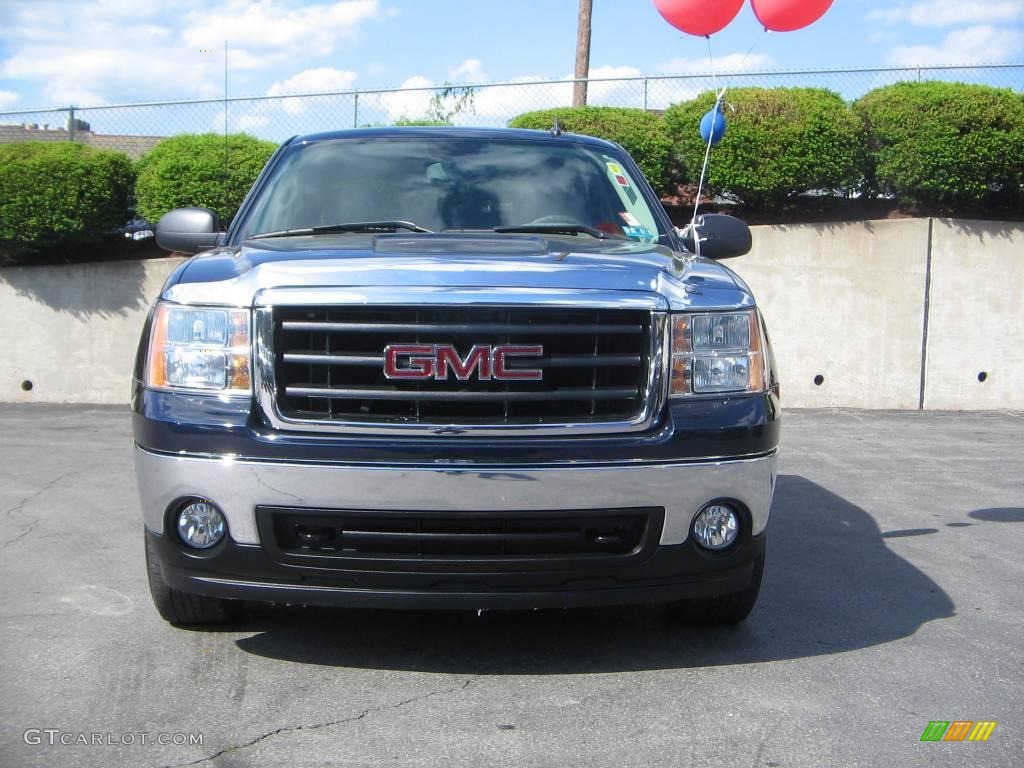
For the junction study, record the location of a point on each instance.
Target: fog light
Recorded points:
(716, 526)
(201, 525)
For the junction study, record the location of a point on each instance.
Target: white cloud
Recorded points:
(86, 76)
(79, 53)
(278, 28)
(288, 115)
(495, 104)
(259, 116)
(609, 85)
(7, 99)
(127, 8)
(96, 51)
(948, 13)
(250, 123)
(696, 76)
(607, 71)
(405, 103)
(471, 70)
(319, 80)
(620, 89)
(973, 45)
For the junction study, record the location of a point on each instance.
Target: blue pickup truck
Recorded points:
(454, 368)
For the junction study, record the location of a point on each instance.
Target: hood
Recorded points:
(236, 275)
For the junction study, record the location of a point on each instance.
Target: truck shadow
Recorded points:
(831, 585)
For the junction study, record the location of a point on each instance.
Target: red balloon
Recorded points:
(699, 17)
(787, 15)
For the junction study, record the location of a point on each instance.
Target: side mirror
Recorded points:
(188, 230)
(721, 236)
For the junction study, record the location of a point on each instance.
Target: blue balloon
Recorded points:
(713, 125)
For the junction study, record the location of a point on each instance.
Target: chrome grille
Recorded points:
(329, 365)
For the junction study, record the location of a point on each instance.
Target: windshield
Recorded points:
(450, 183)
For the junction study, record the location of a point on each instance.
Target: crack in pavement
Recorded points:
(33, 524)
(329, 724)
(33, 496)
(20, 506)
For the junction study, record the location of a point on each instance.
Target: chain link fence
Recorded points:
(134, 128)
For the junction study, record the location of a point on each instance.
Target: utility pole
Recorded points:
(579, 90)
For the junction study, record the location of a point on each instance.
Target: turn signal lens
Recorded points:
(717, 352)
(199, 348)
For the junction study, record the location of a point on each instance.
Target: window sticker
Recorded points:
(623, 185)
(629, 218)
(639, 233)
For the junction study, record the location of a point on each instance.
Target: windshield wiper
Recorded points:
(355, 226)
(554, 229)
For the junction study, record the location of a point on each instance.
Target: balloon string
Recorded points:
(707, 150)
(746, 56)
(703, 172)
(711, 63)
(711, 133)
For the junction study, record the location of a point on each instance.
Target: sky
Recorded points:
(92, 52)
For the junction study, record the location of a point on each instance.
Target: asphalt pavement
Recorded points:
(892, 598)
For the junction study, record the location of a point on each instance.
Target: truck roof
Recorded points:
(517, 134)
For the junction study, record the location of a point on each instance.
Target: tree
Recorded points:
(449, 102)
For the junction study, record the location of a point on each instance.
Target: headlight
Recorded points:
(717, 352)
(199, 348)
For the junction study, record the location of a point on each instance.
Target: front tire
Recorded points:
(720, 610)
(182, 608)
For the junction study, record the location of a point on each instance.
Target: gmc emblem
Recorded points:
(434, 361)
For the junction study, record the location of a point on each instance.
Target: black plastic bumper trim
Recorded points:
(245, 572)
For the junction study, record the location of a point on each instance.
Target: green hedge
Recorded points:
(938, 143)
(59, 194)
(189, 169)
(641, 133)
(780, 142)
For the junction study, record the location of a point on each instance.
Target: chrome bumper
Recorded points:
(238, 486)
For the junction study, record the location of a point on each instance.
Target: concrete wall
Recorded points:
(72, 330)
(976, 316)
(885, 314)
(894, 314)
(844, 302)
